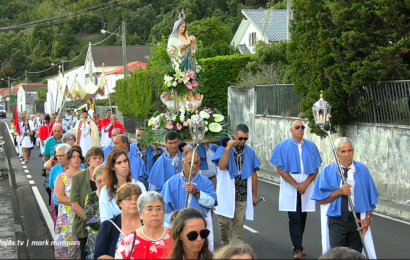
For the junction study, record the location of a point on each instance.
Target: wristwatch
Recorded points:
(368, 216)
(196, 191)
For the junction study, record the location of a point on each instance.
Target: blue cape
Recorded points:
(365, 192)
(137, 167)
(250, 162)
(149, 153)
(107, 150)
(213, 147)
(286, 155)
(163, 170)
(174, 193)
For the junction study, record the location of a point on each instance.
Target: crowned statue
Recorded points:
(181, 46)
(181, 49)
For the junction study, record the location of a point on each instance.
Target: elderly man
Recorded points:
(108, 149)
(338, 224)
(167, 165)
(105, 139)
(237, 184)
(87, 133)
(137, 166)
(298, 162)
(202, 196)
(53, 141)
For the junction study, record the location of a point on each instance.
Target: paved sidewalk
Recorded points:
(8, 240)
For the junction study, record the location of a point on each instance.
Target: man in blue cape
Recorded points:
(298, 162)
(201, 191)
(167, 165)
(108, 149)
(137, 166)
(338, 224)
(237, 184)
(208, 169)
(148, 154)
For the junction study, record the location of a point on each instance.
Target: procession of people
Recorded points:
(113, 199)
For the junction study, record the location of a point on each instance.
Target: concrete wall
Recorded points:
(241, 109)
(383, 148)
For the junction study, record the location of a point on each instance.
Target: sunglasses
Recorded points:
(243, 138)
(297, 127)
(193, 235)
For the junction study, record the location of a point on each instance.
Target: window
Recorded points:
(252, 39)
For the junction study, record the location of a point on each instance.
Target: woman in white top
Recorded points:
(25, 139)
(116, 174)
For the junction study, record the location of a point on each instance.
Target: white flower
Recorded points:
(206, 122)
(174, 84)
(218, 117)
(215, 127)
(204, 115)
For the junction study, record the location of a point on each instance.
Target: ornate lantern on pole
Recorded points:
(321, 112)
(197, 131)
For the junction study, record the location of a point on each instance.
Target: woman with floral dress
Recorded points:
(66, 244)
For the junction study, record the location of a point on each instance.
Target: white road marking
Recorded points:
(44, 211)
(24, 166)
(31, 182)
(28, 176)
(391, 218)
(250, 229)
(26, 171)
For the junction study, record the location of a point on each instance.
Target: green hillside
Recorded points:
(36, 33)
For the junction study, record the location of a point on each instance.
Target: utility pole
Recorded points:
(289, 7)
(124, 50)
(62, 67)
(10, 96)
(25, 95)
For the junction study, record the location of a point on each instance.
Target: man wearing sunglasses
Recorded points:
(237, 184)
(201, 191)
(298, 161)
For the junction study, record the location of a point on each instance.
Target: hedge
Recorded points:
(138, 95)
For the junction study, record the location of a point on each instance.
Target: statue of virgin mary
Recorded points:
(179, 44)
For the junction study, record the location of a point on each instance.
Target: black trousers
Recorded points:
(297, 223)
(48, 190)
(344, 233)
(83, 242)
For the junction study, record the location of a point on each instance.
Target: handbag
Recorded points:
(44, 172)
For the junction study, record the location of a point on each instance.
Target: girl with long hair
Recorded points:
(116, 174)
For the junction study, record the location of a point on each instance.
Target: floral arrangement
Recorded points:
(179, 80)
(217, 125)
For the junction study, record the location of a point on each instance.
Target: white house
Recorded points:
(54, 97)
(28, 105)
(118, 73)
(268, 25)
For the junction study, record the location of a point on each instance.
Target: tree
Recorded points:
(338, 46)
(214, 36)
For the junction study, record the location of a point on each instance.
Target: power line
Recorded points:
(86, 11)
(71, 10)
(107, 37)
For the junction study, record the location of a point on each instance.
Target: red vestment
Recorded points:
(45, 132)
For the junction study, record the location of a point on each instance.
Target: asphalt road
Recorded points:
(268, 234)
